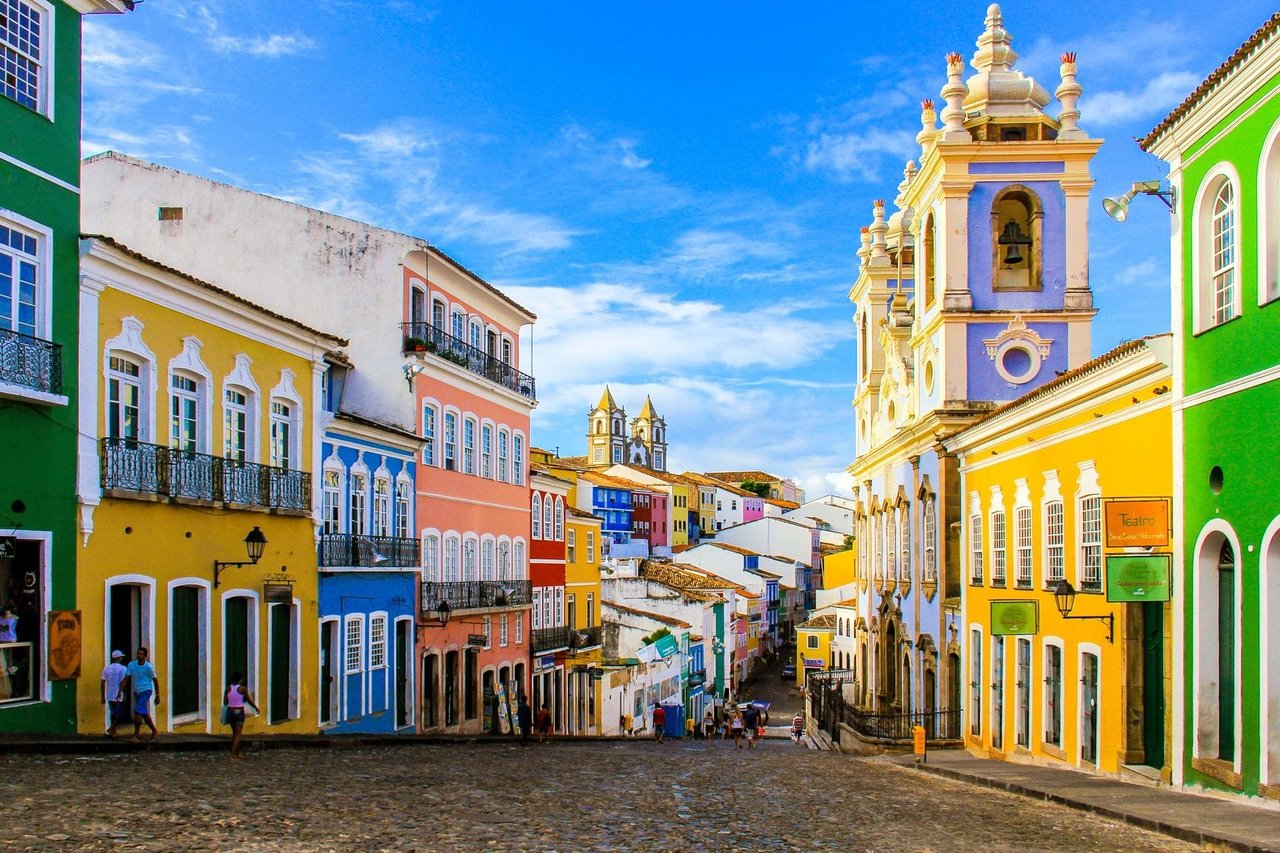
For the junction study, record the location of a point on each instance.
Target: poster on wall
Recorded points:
(64, 644)
(1014, 618)
(1138, 577)
(1137, 522)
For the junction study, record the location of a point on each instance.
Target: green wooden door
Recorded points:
(1226, 660)
(281, 663)
(184, 662)
(235, 633)
(1153, 682)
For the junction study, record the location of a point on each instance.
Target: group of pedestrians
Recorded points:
(526, 721)
(130, 692)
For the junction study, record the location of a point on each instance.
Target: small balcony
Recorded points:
(550, 639)
(421, 337)
(476, 595)
(30, 362)
(149, 469)
(377, 552)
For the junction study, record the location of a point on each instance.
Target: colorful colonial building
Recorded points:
(1067, 496)
(39, 331)
(1223, 148)
(199, 430)
(550, 642)
(972, 292)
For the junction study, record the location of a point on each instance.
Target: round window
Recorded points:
(1017, 362)
(1215, 480)
(928, 377)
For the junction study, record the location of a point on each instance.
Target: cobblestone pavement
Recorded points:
(601, 796)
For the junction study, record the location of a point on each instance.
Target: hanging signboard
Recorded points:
(667, 645)
(1014, 618)
(1137, 522)
(1138, 577)
(64, 644)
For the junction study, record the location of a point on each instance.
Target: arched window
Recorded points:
(504, 441)
(1269, 216)
(452, 560)
(431, 556)
(1225, 254)
(559, 519)
(548, 518)
(417, 307)
(535, 515)
(928, 261)
(468, 446)
(470, 560)
(488, 571)
(1016, 239)
(504, 561)
(519, 571)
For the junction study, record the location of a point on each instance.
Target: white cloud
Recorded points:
(510, 231)
(858, 156)
(399, 139)
(270, 47)
(1158, 96)
(701, 251)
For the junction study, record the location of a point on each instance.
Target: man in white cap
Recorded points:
(113, 692)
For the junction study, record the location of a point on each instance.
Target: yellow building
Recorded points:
(582, 608)
(1066, 504)
(198, 423)
(839, 567)
(813, 645)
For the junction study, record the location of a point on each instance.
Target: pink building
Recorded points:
(461, 349)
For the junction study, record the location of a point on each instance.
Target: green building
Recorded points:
(39, 327)
(1223, 148)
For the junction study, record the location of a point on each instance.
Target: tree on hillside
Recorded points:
(761, 489)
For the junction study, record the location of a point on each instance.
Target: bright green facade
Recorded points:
(1224, 150)
(39, 176)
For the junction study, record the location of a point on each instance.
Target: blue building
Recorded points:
(971, 293)
(611, 500)
(369, 572)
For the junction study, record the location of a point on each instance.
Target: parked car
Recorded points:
(788, 672)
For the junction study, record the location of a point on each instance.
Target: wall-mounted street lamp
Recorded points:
(1064, 595)
(1117, 207)
(441, 613)
(411, 370)
(254, 544)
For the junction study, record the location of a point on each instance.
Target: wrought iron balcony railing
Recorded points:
(30, 362)
(346, 549)
(584, 638)
(475, 595)
(424, 337)
(550, 639)
(135, 466)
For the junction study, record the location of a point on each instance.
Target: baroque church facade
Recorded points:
(973, 291)
(609, 442)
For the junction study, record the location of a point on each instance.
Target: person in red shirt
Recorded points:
(544, 724)
(659, 723)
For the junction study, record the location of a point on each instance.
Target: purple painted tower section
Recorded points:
(984, 381)
(1053, 251)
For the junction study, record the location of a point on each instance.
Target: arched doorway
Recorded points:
(1216, 636)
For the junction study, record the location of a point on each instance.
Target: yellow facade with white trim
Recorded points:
(154, 519)
(1060, 691)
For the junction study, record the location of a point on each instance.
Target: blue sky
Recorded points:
(674, 188)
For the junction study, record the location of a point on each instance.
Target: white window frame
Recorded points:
(470, 559)
(571, 546)
(431, 556)
(519, 620)
(548, 518)
(517, 458)
(468, 445)
(535, 516)
(1269, 218)
(404, 503)
(357, 501)
(285, 432)
(233, 411)
(381, 505)
(331, 516)
(1023, 559)
(1088, 506)
(486, 450)
(430, 418)
(504, 442)
(377, 640)
(450, 457)
(353, 645)
(120, 379)
(1048, 699)
(452, 558)
(1205, 315)
(929, 523)
(43, 60)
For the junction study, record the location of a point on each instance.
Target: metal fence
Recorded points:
(30, 362)
(476, 595)
(548, 639)
(425, 337)
(135, 466)
(830, 709)
(346, 549)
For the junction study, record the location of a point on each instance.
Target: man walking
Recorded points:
(524, 717)
(114, 676)
(659, 723)
(143, 683)
(751, 719)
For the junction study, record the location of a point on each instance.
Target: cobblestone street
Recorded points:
(563, 796)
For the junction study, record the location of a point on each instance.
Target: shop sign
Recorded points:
(666, 645)
(1010, 618)
(1138, 577)
(278, 593)
(64, 644)
(477, 640)
(815, 663)
(547, 662)
(1137, 522)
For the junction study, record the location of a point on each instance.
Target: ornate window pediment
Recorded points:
(1018, 351)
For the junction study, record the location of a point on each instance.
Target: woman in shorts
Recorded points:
(736, 726)
(234, 700)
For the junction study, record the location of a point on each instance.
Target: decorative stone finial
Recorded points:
(1068, 95)
(953, 129)
(865, 251)
(928, 124)
(879, 227)
(998, 90)
(995, 46)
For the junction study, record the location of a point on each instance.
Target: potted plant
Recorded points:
(414, 344)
